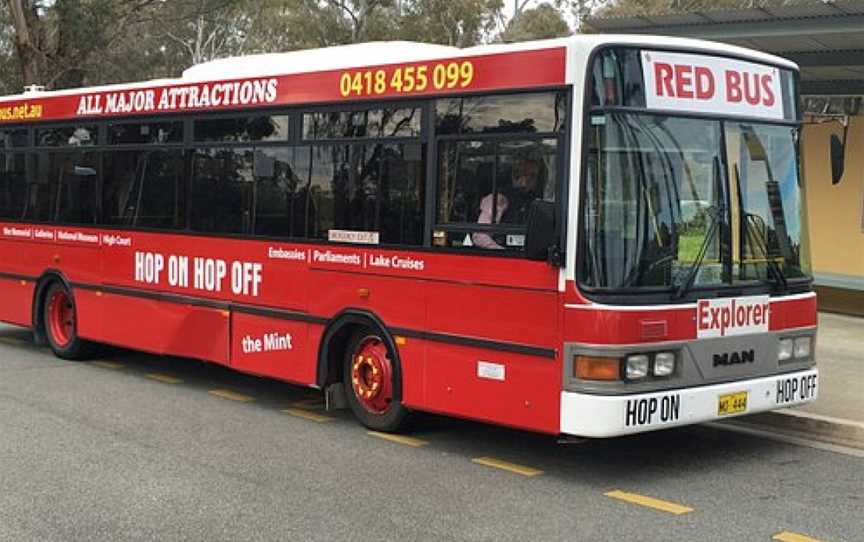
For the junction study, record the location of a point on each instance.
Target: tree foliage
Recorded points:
(541, 22)
(621, 8)
(58, 43)
(460, 23)
(69, 43)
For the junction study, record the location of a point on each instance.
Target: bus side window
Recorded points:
(222, 191)
(143, 188)
(327, 185)
(282, 191)
(490, 184)
(40, 196)
(77, 181)
(13, 185)
(402, 194)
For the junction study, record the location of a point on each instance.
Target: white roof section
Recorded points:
(315, 60)
(394, 52)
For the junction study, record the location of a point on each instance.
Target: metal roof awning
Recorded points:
(826, 38)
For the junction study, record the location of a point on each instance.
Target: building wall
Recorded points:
(835, 213)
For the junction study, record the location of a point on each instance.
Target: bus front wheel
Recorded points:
(369, 383)
(61, 324)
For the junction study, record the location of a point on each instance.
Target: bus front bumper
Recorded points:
(588, 415)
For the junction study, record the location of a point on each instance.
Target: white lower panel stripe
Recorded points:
(589, 415)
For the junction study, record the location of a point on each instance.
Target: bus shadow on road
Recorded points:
(206, 376)
(645, 455)
(603, 461)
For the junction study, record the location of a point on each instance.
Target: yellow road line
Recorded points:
(309, 403)
(13, 340)
(400, 439)
(165, 379)
(787, 536)
(650, 502)
(107, 364)
(306, 415)
(225, 394)
(506, 465)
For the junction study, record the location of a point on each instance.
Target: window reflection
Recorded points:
(145, 133)
(525, 113)
(653, 191)
(63, 188)
(764, 170)
(240, 129)
(66, 136)
(13, 185)
(366, 123)
(144, 188)
(222, 182)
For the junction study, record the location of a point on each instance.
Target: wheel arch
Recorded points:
(48, 277)
(334, 341)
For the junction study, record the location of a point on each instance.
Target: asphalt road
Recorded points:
(137, 447)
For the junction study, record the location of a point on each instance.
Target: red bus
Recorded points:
(594, 236)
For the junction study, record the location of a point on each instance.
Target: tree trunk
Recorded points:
(25, 20)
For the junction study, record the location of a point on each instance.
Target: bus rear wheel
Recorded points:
(61, 324)
(369, 383)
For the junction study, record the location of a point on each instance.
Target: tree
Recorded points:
(71, 43)
(29, 38)
(579, 9)
(541, 22)
(55, 42)
(459, 23)
(620, 8)
(337, 22)
(202, 30)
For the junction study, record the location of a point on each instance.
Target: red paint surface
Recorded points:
(290, 363)
(606, 325)
(509, 300)
(15, 301)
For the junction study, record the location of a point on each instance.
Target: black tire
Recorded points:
(70, 346)
(396, 415)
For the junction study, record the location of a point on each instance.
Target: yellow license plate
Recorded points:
(732, 403)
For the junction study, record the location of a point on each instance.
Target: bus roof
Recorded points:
(395, 52)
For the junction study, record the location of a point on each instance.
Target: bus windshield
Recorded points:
(665, 209)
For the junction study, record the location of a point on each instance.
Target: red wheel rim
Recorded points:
(371, 375)
(61, 318)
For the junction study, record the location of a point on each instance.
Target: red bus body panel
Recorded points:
(449, 325)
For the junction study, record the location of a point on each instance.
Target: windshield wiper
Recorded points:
(717, 214)
(780, 283)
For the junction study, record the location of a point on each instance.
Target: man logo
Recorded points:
(735, 358)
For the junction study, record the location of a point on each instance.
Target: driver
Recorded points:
(512, 204)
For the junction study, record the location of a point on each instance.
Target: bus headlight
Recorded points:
(636, 367)
(785, 352)
(664, 364)
(802, 347)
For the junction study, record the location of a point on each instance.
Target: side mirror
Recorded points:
(838, 159)
(540, 236)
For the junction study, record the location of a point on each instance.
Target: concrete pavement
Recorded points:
(838, 415)
(840, 357)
